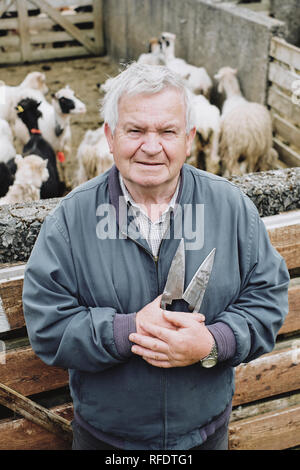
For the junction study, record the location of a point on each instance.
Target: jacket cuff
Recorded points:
(225, 340)
(124, 324)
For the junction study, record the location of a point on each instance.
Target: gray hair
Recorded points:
(143, 79)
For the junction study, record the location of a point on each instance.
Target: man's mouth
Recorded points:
(149, 163)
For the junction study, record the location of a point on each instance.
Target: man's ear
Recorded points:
(109, 137)
(189, 143)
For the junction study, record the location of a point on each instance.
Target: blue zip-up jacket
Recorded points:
(83, 285)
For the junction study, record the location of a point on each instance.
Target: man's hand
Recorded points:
(152, 314)
(186, 343)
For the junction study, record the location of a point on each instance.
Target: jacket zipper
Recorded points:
(164, 371)
(164, 377)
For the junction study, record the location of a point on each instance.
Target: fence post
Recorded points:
(25, 46)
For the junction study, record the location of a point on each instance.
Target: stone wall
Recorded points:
(272, 192)
(209, 33)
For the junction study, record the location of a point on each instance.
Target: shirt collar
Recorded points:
(131, 201)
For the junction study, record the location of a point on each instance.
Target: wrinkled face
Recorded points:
(150, 143)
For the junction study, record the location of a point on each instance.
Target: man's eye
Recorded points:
(169, 131)
(134, 131)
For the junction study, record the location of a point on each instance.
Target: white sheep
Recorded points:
(34, 80)
(207, 118)
(93, 155)
(7, 149)
(31, 173)
(246, 130)
(154, 56)
(197, 77)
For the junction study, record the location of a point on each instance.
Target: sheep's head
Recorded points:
(36, 80)
(31, 169)
(154, 45)
(223, 74)
(28, 107)
(167, 40)
(66, 102)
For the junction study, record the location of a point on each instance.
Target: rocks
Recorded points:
(19, 227)
(273, 191)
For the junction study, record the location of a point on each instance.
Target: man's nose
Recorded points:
(151, 144)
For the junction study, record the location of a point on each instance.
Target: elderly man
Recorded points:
(143, 376)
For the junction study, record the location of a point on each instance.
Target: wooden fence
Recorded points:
(284, 99)
(43, 30)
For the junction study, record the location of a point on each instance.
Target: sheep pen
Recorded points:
(83, 75)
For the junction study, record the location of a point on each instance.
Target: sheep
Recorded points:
(154, 56)
(34, 80)
(29, 113)
(197, 77)
(93, 155)
(54, 122)
(207, 118)
(31, 173)
(7, 149)
(246, 130)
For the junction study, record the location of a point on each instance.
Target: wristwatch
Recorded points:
(211, 359)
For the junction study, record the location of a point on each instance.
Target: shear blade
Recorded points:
(175, 281)
(195, 291)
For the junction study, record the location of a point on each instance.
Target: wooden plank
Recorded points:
(24, 372)
(265, 406)
(45, 22)
(287, 131)
(58, 53)
(21, 434)
(10, 41)
(11, 298)
(288, 155)
(10, 57)
(285, 52)
(9, 23)
(35, 413)
(271, 374)
(271, 431)
(283, 104)
(98, 25)
(55, 36)
(281, 76)
(284, 233)
(67, 25)
(292, 321)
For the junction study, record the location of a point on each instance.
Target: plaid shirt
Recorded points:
(153, 232)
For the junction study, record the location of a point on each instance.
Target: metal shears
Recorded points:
(194, 293)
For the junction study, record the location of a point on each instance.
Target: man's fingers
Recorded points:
(164, 334)
(183, 319)
(148, 354)
(148, 342)
(197, 316)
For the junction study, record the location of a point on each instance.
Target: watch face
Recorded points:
(209, 362)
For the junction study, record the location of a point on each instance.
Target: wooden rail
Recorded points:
(266, 404)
